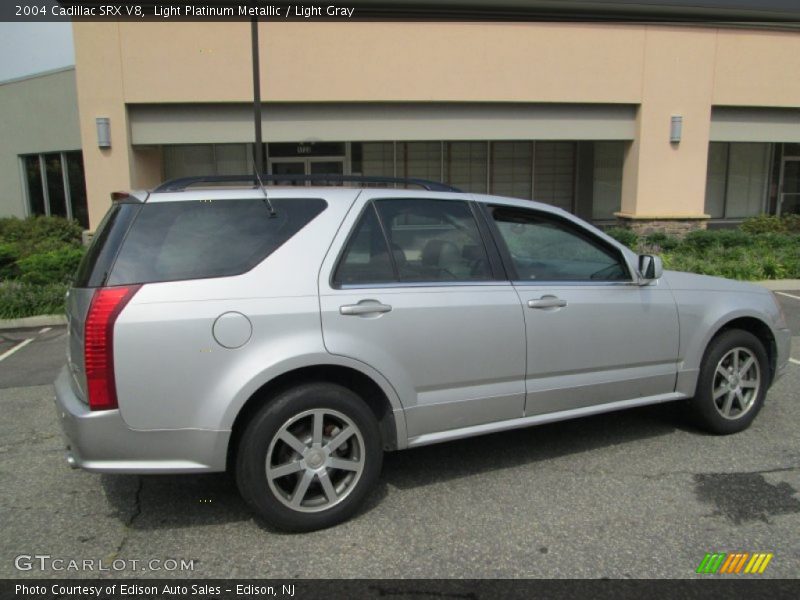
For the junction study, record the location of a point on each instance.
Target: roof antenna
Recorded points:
(272, 213)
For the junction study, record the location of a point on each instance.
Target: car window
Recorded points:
(196, 239)
(434, 240)
(415, 240)
(366, 257)
(548, 249)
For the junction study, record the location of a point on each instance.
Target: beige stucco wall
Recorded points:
(664, 70)
(37, 114)
(662, 178)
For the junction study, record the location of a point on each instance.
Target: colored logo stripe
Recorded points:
(758, 563)
(734, 563)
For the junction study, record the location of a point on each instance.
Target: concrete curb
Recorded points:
(38, 321)
(781, 284)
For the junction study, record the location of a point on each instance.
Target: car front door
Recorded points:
(411, 288)
(594, 335)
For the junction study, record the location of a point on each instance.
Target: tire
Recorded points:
(735, 370)
(309, 457)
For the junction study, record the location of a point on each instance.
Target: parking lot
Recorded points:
(635, 494)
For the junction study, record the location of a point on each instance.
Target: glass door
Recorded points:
(790, 187)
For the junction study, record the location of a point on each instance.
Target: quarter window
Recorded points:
(544, 249)
(366, 258)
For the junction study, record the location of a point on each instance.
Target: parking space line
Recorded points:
(791, 360)
(45, 330)
(788, 295)
(19, 346)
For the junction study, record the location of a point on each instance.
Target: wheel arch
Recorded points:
(391, 420)
(760, 330)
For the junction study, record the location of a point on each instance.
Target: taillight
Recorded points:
(98, 344)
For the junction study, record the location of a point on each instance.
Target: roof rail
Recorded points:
(178, 185)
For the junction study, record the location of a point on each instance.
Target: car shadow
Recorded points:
(174, 501)
(472, 456)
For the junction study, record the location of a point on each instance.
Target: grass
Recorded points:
(18, 299)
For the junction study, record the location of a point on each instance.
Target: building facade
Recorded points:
(651, 125)
(41, 165)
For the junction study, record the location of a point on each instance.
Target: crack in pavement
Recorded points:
(135, 513)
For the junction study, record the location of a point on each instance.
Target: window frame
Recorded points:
(581, 232)
(64, 162)
(497, 272)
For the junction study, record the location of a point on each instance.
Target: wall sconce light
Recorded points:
(675, 128)
(103, 132)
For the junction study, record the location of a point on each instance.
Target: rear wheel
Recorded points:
(309, 457)
(733, 382)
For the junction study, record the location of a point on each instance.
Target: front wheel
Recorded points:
(309, 457)
(733, 382)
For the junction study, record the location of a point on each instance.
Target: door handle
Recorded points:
(547, 302)
(365, 307)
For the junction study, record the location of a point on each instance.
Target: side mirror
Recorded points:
(650, 268)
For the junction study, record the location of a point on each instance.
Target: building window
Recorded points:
(737, 180)
(55, 185)
(554, 174)
(207, 159)
(607, 179)
(372, 159)
(466, 165)
(419, 160)
(511, 171)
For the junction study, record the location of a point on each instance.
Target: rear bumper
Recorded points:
(101, 441)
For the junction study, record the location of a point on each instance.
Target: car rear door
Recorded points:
(594, 335)
(410, 288)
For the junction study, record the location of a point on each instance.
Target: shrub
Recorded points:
(792, 223)
(701, 239)
(772, 224)
(661, 241)
(19, 300)
(40, 230)
(623, 236)
(56, 266)
(8, 260)
(763, 224)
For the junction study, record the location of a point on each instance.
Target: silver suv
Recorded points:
(294, 337)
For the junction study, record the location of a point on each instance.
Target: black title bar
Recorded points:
(710, 587)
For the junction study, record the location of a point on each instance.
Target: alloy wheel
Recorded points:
(315, 460)
(737, 383)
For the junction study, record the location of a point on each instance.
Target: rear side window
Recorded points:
(206, 238)
(414, 240)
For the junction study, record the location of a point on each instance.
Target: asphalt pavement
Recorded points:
(633, 494)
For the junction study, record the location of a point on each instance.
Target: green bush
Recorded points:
(792, 223)
(38, 256)
(56, 266)
(772, 224)
(19, 300)
(763, 224)
(700, 239)
(662, 241)
(8, 261)
(623, 236)
(39, 234)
